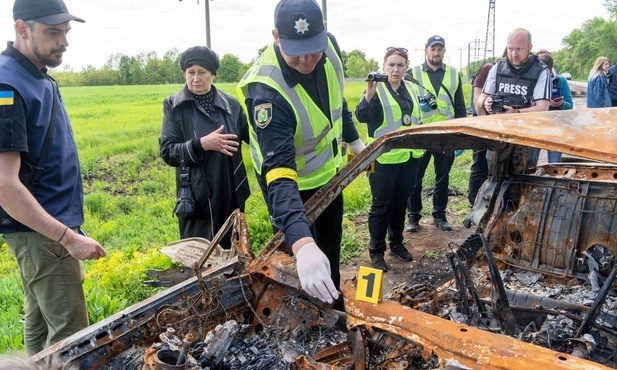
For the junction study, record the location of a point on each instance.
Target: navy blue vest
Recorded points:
(60, 189)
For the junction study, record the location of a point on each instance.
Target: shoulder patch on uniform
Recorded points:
(7, 97)
(262, 115)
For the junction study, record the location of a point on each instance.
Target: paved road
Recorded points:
(579, 98)
(579, 91)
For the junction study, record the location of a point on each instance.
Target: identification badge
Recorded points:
(263, 115)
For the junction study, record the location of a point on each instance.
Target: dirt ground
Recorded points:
(428, 247)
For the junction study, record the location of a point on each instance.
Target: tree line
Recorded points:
(147, 68)
(596, 37)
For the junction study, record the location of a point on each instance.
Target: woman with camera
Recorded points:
(201, 136)
(390, 103)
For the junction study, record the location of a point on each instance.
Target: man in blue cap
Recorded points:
(298, 119)
(443, 83)
(42, 211)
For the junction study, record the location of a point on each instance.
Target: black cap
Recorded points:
(43, 11)
(299, 24)
(202, 56)
(434, 40)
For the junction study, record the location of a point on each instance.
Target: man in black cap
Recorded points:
(442, 84)
(298, 119)
(204, 126)
(40, 218)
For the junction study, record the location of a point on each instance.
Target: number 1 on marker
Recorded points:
(369, 285)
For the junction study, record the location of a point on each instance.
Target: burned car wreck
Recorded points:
(532, 288)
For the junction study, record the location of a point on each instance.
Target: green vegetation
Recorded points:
(146, 68)
(130, 193)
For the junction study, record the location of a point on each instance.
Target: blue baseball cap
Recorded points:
(434, 40)
(300, 26)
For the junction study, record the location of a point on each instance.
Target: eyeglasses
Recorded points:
(392, 49)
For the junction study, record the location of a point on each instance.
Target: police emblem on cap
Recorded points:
(302, 26)
(263, 115)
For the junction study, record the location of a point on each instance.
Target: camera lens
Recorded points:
(497, 106)
(377, 77)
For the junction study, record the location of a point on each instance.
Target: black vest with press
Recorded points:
(518, 84)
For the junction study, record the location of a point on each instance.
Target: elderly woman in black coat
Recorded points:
(206, 127)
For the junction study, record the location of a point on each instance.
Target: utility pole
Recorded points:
(472, 57)
(489, 42)
(208, 22)
(324, 9)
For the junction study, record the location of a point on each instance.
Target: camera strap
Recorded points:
(448, 92)
(184, 171)
(409, 77)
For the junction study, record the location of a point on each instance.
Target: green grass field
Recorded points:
(130, 193)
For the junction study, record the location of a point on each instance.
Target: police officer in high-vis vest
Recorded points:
(521, 81)
(439, 85)
(386, 107)
(298, 121)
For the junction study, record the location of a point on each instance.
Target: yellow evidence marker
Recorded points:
(370, 283)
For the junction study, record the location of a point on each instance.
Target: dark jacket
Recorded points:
(184, 123)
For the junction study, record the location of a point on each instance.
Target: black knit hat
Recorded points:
(200, 55)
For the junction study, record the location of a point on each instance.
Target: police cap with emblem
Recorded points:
(300, 26)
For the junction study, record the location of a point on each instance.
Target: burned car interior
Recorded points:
(533, 287)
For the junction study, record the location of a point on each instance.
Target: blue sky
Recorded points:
(241, 27)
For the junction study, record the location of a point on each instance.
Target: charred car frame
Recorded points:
(555, 224)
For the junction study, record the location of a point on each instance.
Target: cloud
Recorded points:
(241, 27)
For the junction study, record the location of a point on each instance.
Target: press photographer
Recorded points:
(522, 78)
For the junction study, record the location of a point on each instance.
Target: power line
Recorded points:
(489, 42)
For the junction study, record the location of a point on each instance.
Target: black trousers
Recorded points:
(477, 176)
(327, 231)
(442, 164)
(390, 187)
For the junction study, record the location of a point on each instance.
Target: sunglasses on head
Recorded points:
(392, 49)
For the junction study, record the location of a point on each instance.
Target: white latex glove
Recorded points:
(314, 273)
(357, 146)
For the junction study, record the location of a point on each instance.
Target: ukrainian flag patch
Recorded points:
(6, 97)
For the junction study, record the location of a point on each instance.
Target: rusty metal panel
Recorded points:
(471, 347)
(588, 133)
(545, 223)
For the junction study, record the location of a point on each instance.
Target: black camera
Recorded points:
(429, 99)
(499, 101)
(377, 77)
